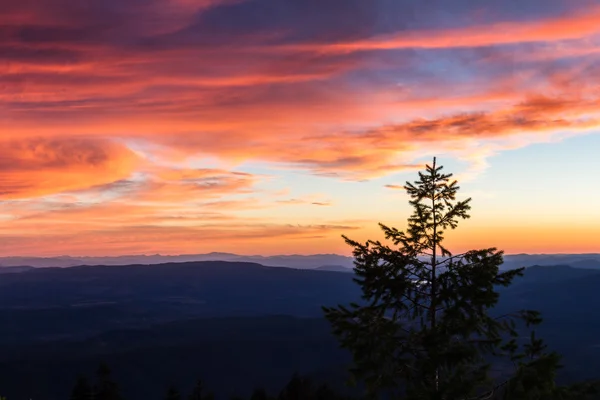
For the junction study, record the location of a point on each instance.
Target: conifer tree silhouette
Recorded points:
(199, 393)
(82, 389)
(298, 388)
(173, 393)
(259, 394)
(424, 328)
(106, 388)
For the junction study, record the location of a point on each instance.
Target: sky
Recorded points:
(275, 126)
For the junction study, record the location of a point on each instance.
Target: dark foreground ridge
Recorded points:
(155, 326)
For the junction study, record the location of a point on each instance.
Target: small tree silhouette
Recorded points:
(106, 388)
(82, 389)
(199, 394)
(173, 393)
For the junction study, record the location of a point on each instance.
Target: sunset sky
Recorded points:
(274, 126)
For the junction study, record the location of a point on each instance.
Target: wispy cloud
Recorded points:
(578, 24)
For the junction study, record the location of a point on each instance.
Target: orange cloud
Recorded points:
(389, 148)
(77, 219)
(37, 167)
(312, 141)
(175, 185)
(235, 237)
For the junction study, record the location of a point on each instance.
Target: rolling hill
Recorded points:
(236, 325)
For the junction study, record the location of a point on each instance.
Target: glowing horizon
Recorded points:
(273, 127)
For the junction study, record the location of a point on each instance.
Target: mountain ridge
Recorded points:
(301, 261)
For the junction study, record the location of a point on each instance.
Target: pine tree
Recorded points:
(298, 388)
(424, 329)
(106, 388)
(173, 393)
(82, 389)
(198, 392)
(259, 394)
(324, 392)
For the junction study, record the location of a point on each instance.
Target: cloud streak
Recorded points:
(579, 24)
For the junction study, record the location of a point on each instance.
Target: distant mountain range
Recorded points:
(327, 262)
(588, 261)
(14, 269)
(290, 261)
(335, 268)
(53, 302)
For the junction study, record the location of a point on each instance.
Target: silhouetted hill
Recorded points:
(335, 268)
(539, 275)
(14, 269)
(311, 261)
(555, 288)
(569, 300)
(198, 282)
(156, 323)
(512, 261)
(62, 302)
(232, 355)
(291, 261)
(588, 264)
